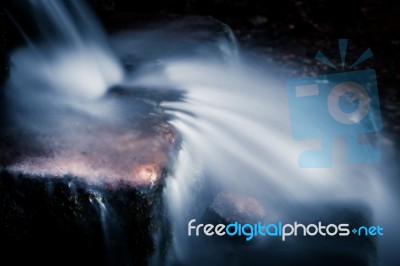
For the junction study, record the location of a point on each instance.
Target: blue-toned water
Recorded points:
(233, 121)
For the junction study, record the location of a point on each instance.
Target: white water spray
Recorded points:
(234, 121)
(70, 66)
(236, 135)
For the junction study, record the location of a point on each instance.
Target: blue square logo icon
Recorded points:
(332, 105)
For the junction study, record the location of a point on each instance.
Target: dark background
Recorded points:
(285, 33)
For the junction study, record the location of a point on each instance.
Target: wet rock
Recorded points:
(64, 221)
(233, 207)
(89, 193)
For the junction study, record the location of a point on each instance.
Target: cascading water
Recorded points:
(68, 66)
(237, 139)
(233, 121)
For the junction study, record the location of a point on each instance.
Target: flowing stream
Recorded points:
(234, 120)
